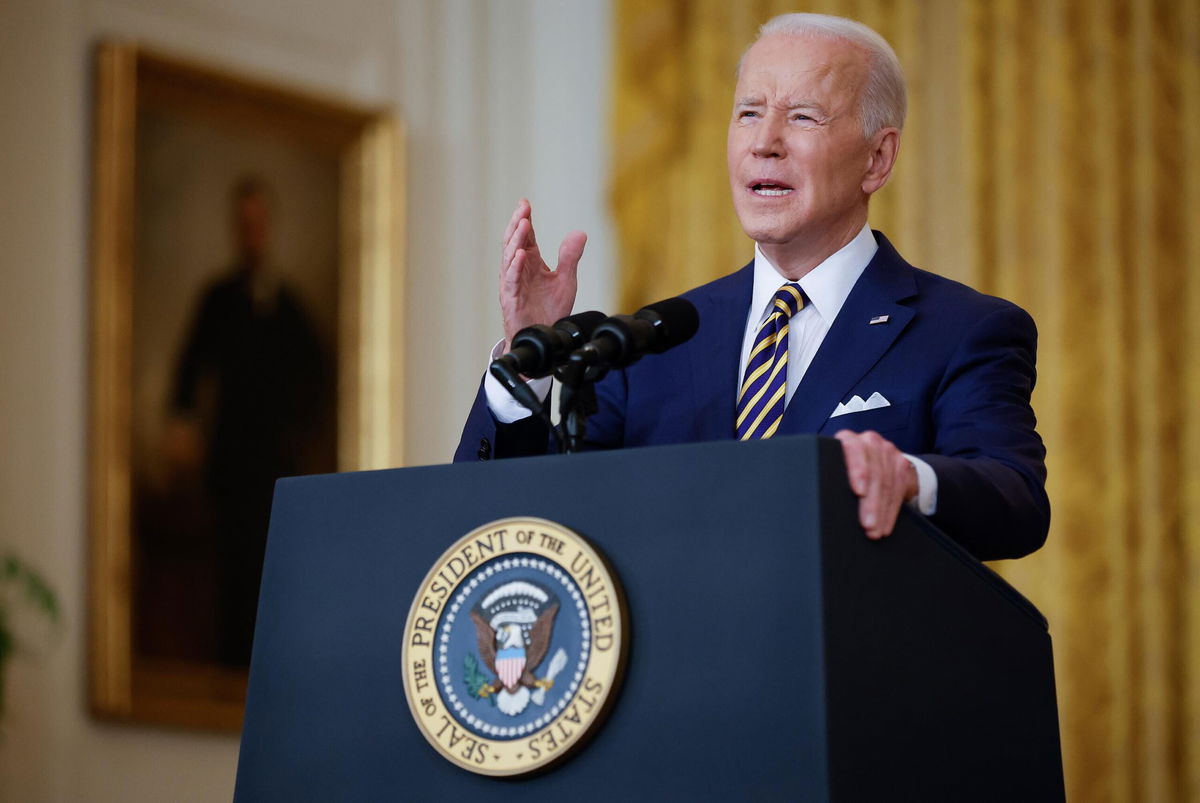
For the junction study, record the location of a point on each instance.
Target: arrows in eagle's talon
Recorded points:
(557, 664)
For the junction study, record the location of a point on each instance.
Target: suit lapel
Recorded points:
(716, 351)
(853, 345)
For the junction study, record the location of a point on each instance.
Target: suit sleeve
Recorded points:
(988, 457)
(484, 437)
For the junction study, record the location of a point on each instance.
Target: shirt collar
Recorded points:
(827, 285)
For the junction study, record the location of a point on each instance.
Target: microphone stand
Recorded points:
(618, 341)
(577, 400)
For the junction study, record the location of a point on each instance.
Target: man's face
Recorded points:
(797, 155)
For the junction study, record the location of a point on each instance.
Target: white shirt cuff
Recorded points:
(927, 485)
(501, 403)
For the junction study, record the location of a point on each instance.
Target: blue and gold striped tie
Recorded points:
(763, 394)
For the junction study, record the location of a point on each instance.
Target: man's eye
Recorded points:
(746, 113)
(803, 117)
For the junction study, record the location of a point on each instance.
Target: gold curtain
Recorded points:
(1052, 156)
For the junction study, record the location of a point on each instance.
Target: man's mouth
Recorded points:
(769, 189)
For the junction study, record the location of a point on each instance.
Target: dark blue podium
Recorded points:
(775, 652)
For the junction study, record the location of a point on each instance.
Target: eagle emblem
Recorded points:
(513, 646)
(513, 626)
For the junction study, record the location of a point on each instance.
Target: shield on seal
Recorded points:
(510, 663)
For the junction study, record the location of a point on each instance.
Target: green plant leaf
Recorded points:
(474, 678)
(35, 590)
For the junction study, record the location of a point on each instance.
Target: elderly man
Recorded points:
(925, 382)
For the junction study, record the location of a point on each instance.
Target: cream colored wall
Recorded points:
(501, 99)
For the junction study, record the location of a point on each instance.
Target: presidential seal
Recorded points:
(513, 647)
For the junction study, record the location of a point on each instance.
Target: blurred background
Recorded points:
(1052, 157)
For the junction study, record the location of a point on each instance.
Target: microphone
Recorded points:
(623, 339)
(537, 350)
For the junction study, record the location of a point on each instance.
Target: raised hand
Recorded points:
(530, 292)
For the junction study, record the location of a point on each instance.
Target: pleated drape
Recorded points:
(1052, 156)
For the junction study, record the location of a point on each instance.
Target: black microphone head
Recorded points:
(536, 350)
(580, 327)
(675, 321)
(618, 342)
(532, 349)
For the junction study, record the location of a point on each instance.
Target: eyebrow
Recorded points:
(759, 101)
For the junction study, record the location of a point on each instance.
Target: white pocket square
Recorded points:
(857, 405)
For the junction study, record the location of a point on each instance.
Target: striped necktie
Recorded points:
(763, 394)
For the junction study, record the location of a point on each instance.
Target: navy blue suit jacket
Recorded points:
(956, 365)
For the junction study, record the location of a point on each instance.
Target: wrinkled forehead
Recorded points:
(792, 69)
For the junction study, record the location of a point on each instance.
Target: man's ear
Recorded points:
(884, 147)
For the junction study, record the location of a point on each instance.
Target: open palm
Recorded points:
(530, 292)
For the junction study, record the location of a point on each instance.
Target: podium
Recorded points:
(775, 653)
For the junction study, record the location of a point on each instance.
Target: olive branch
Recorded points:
(474, 679)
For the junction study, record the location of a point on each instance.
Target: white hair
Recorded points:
(884, 101)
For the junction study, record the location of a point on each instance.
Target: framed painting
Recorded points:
(246, 324)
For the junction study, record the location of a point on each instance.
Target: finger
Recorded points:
(856, 466)
(529, 223)
(885, 518)
(862, 478)
(521, 211)
(511, 277)
(866, 514)
(877, 484)
(515, 236)
(570, 252)
(519, 240)
(893, 484)
(904, 488)
(510, 297)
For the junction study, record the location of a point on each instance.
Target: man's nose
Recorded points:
(768, 138)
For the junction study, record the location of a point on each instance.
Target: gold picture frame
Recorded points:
(359, 151)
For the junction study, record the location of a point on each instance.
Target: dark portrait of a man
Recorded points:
(251, 402)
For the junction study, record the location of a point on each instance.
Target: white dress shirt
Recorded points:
(827, 287)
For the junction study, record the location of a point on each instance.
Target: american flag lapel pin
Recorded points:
(878, 319)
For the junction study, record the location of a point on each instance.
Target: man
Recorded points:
(253, 369)
(925, 382)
